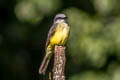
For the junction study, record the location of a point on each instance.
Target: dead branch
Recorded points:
(59, 63)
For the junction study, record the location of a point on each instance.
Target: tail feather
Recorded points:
(44, 64)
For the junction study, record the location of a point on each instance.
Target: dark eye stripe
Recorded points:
(61, 18)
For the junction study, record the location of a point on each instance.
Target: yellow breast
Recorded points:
(61, 34)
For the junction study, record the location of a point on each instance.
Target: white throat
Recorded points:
(59, 21)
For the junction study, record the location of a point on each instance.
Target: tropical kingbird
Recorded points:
(57, 35)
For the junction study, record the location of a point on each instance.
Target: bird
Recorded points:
(57, 35)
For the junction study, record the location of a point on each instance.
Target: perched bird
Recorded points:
(57, 35)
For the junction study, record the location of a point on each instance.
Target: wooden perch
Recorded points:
(59, 63)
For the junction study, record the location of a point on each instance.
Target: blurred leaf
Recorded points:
(95, 50)
(106, 7)
(90, 75)
(26, 11)
(113, 34)
(114, 70)
(47, 6)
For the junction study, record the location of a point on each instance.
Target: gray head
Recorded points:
(60, 18)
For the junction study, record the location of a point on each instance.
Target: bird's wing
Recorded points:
(50, 34)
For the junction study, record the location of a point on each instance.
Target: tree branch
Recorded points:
(59, 63)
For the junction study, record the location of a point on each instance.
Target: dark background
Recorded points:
(93, 48)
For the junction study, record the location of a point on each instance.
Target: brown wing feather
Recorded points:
(50, 34)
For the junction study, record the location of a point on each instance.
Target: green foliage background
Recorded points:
(93, 48)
